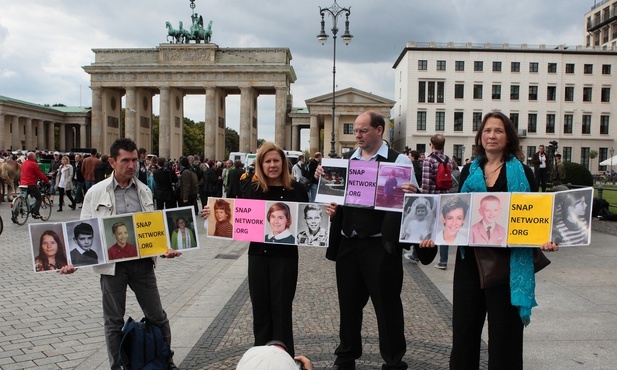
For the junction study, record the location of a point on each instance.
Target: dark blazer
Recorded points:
(162, 188)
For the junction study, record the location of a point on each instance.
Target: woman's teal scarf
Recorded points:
(522, 278)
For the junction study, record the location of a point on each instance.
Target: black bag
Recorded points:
(143, 346)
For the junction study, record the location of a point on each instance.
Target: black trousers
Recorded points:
(272, 287)
(470, 306)
(365, 269)
(541, 178)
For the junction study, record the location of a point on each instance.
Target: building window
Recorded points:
(459, 91)
(531, 150)
(604, 125)
(422, 65)
(476, 121)
(515, 67)
(569, 67)
(496, 93)
(566, 153)
(440, 89)
(533, 92)
(569, 96)
(514, 92)
(550, 123)
(586, 129)
(585, 157)
(606, 69)
(348, 128)
(458, 121)
(532, 122)
(440, 121)
(603, 155)
(568, 121)
(441, 65)
(459, 65)
(606, 95)
(552, 68)
(430, 95)
(421, 148)
(477, 91)
(421, 121)
(588, 69)
(458, 152)
(496, 66)
(551, 93)
(533, 67)
(478, 66)
(514, 119)
(586, 93)
(421, 91)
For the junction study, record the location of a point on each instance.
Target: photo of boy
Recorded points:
(83, 252)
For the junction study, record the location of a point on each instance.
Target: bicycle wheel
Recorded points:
(1, 225)
(45, 209)
(20, 211)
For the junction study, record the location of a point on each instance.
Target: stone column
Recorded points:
(295, 138)
(40, 137)
(211, 122)
(62, 138)
(28, 124)
(16, 137)
(83, 135)
(164, 123)
(130, 114)
(245, 119)
(279, 119)
(2, 144)
(51, 145)
(314, 136)
(96, 126)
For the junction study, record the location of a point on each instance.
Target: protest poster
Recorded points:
(151, 235)
(313, 225)
(281, 222)
(332, 185)
(181, 228)
(219, 223)
(572, 217)
(389, 195)
(119, 237)
(529, 219)
(489, 219)
(85, 243)
(362, 183)
(249, 220)
(453, 219)
(48, 246)
(419, 216)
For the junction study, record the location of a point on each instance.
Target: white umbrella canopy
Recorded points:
(610, 161)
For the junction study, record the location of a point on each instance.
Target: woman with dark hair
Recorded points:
(273, 268)
(222, 213)
(51, 252)
(182, 237)
(279, 218)
(507, 300)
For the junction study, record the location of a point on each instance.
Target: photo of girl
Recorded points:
(48, 248)
(220, 225)
(280, 227)
(453, 224)
(418, 217)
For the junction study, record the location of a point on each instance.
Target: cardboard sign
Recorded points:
(361, 183)
(151, 235)
(529, 219)
(249, 220)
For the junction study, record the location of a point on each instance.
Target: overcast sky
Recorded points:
(45, 43)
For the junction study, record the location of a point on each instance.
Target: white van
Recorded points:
(237, 156)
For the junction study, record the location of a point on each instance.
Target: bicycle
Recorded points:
(22, 204)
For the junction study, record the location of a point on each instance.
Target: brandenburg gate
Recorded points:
(175, 70)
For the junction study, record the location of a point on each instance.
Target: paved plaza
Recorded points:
(49, 321)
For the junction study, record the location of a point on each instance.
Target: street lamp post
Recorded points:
(612, 154)
(334, 11)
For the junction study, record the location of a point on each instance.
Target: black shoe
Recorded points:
(73, 206)
(59, 209)
(344, 366)
(36, 216)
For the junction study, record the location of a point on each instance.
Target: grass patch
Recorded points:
(609, 192)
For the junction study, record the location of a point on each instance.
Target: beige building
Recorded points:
(551, 93)
(601, 25)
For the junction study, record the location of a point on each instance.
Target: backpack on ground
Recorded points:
(443, 180)
(143, 346)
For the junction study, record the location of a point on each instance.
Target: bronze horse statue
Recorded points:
(197, 32)
(177, 35)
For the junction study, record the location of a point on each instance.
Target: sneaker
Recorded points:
(441, 266)
(36, 216)
(411, 258)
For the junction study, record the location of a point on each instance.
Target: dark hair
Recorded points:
(454, 203)
(415, 155)
(184, 161)
(104, 158)
(513, 145)
(280, 207)
(61, 260)
(125, 144)
(377, 120)
(161, 161)
(83, 229)
(438, 141)
(311, 207)
(180, 218)
(93, 151)
(142, 151)
(224, 205)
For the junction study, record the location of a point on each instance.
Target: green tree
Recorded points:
(232, 141)
(592, 155)
(260, 142)
(155, 134)
(193, 137)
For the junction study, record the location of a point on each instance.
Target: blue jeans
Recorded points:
(88, 185)
(443, 254)
(313, 193)
(79, 191)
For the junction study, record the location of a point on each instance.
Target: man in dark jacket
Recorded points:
(188, 185)
(78, 180)
(103, 169)
(233, 180)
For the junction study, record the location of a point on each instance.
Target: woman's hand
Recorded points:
(205, 212)
(408, 187)
(549, 247)
(331, 209)
(427, 243)
(68, 269)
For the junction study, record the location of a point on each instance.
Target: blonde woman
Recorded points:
(64, 183)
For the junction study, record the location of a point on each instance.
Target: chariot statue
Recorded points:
(196, 33)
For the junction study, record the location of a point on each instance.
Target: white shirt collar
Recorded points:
(383, 151)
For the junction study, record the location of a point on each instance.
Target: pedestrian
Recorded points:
(164, 178)
(364, 243)
(539, 161)
(123, 193)
(64, 183)
(559, 177)
(87, 169)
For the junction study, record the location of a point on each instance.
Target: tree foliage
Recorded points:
(232, 142)
(577, 174)
(193, 137)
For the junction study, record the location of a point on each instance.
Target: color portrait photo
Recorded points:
(281, 226)
(489, 219)
(453, 219)
(180, 224)
(220, 222)
(120, 239)
(48, 246)
(390, 186)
